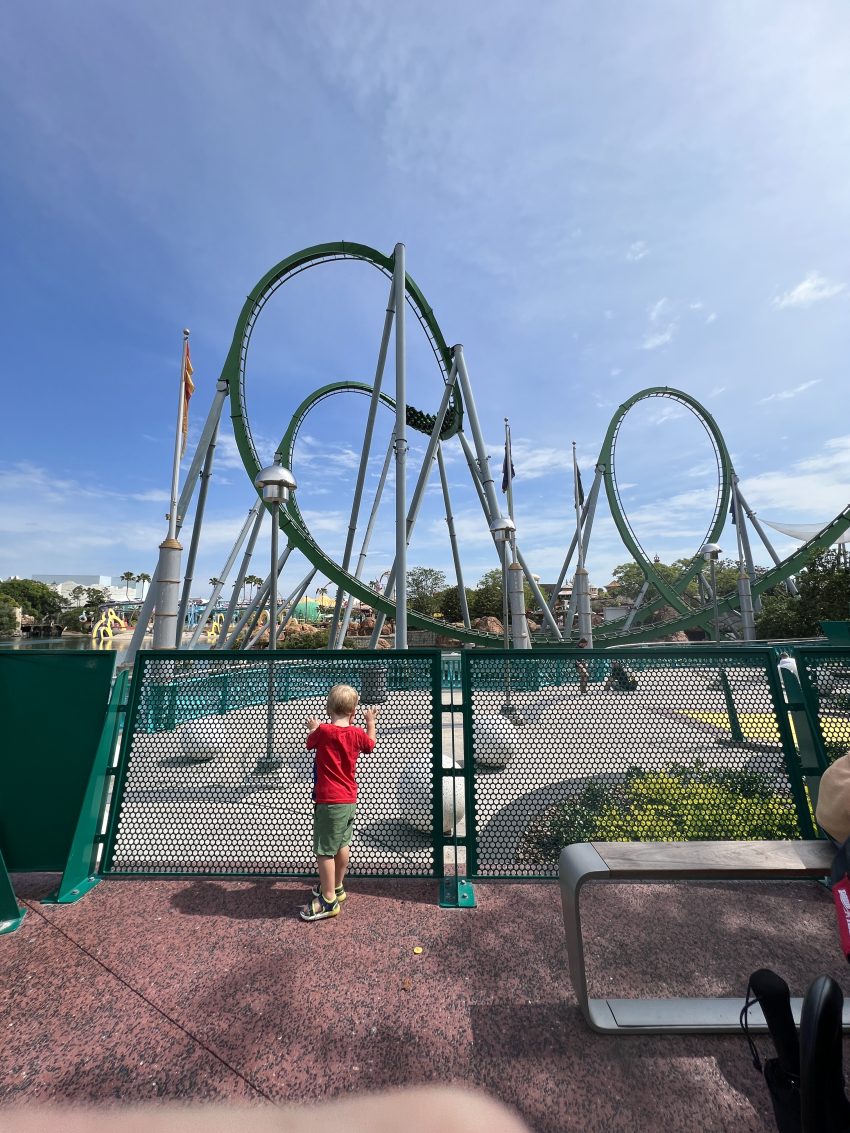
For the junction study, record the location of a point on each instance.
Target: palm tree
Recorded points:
(215, 582)
(143, 578)
(253, 580)
(127, 577)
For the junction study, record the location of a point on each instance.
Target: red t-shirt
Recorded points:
(336, 751)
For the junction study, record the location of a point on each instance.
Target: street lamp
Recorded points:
(503, 530)
(711, 553)
(276, 483)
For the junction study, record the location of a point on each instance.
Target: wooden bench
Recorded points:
(676, 861)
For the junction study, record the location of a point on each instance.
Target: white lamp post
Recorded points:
(276, 483)
(711, 553)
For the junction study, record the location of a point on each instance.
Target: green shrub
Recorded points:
(681, 803)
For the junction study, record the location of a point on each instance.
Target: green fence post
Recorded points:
(789, 750)
(732, 711)
(78, 877)
(11, 914)
(456, 892)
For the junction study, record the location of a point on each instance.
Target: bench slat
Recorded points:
(745, 860)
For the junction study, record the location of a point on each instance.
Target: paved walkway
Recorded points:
(197, 990)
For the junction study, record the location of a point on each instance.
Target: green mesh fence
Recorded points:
(824, 675)
(214, 777)
(569, 746)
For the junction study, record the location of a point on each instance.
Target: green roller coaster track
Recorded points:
(295, 528)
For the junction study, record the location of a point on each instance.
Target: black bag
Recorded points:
(824, 1104)
(806, 1079)
(782, 1074)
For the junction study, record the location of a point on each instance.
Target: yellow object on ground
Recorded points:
(762, 726)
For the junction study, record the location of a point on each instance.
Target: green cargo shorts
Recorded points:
(333, 824)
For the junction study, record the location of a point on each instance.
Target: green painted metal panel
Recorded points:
(10, 913)
(79, 875)
(52, 708)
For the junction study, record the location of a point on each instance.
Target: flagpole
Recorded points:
(509, 461)
(585, 625)
(168, 570)
(178, 441)
(579, 541)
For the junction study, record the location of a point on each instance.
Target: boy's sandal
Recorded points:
(339, 891)
(318, 909)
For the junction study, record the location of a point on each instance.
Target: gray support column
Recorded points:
(418, 494)
(548, 616)
(461, 590)
(475, 428)
(400, 452)
(751, 515)
(290, 604)
(259, 599)
(475, 473)
(337, 643)
(210, 425)
(636, 605)
(189, 575)
(257, 512)
(587, 523)
(217, 589)
(168, 586)
(745, 541)
(516, 604)
(364, 456)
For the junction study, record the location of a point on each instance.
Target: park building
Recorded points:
(112, 585)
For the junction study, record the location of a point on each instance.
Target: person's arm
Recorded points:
(371, 715)
(312, 725)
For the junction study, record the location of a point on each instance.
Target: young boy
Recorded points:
(337, 746)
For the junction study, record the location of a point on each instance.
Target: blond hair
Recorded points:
(342, 700)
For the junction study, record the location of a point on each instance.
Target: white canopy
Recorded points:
(804, 531)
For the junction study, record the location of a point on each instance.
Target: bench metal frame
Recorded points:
(585, 861)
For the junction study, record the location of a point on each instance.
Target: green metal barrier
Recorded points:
(684, 743)
(52, 708)
(11, 914)
(824, 678)
(214, 778)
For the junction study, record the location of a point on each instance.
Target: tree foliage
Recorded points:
(425, 587)
(486, 599)
(7, 617)
(450, 603)
(824, 586)
(35, 598)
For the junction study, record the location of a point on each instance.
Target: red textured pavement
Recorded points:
(202, 990)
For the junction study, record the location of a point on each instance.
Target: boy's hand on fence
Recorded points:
(312, 723)
(371, 715)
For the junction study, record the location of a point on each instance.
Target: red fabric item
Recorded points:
(841, 897)
(335, 761)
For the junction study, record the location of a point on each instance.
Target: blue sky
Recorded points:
(594, 199)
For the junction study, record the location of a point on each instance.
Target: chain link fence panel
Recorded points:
(214, 777)
(624, 745)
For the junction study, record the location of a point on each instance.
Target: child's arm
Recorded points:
(371, 715)
(312, 724)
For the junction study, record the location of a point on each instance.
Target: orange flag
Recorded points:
(188, 390)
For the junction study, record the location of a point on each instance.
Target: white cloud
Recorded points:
(658, 334)
(658, 338)
(815, 488)
(815, 288)
(787, 394)
(637, 251)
